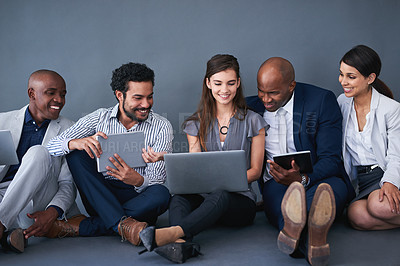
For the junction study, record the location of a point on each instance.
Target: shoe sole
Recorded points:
(16, 240)
(321, 216)
(294, 214)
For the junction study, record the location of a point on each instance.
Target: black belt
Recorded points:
(365, 169)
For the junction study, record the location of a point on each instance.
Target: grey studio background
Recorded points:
(85, 40)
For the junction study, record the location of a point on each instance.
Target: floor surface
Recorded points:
(252, 245)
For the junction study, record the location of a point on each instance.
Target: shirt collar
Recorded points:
(289, 105)
(115, 109)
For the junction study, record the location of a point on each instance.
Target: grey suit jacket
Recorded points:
(385, 139)
(65, 196)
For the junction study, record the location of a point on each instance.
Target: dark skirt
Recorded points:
(368, 182)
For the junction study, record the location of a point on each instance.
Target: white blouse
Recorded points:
(358, 143)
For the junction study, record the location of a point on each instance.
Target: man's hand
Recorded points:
(392, 193)
(43, 222)
(124, 172)
(89, 144)
(283, 176)
(150, 156)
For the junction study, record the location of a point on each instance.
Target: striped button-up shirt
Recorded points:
(158, 134)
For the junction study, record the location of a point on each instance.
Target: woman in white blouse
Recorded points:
(371, 141)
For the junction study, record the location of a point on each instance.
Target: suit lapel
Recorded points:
(346, 117)
(52, 130)
(298, 107)
(17, 125)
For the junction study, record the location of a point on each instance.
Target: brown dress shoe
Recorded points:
(294, 211)
(14, 240)
(62, 228)
(320, 218)
(129, 229)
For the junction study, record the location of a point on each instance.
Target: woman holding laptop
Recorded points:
(221, 123)
(371, 141)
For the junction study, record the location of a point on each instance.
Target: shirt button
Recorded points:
(36, 129)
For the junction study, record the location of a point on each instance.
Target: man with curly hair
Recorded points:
(123, 200)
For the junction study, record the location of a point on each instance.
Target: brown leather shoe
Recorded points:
(61, 228)
(129, 229)
(320, 218)
(14, 240)
(294, 213)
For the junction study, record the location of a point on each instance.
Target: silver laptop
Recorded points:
(204, 172)
(127, 145)
(8, 153)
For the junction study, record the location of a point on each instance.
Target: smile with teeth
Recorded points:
(143, 111)
(55, 107)
(224, 96)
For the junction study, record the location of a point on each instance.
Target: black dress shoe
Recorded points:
(178, 252)
(14, 240)
(147, 236)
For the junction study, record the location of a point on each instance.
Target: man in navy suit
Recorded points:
(301, 117)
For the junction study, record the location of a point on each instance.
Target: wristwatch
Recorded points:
(303, 180)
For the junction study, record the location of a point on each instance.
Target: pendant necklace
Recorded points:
(223, 129)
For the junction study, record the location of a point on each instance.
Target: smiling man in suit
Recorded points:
(301, 117)
(40, 189)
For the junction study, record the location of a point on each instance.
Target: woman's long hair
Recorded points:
(206, 111)
(367, 61)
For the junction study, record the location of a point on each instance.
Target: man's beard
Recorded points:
(132, 115)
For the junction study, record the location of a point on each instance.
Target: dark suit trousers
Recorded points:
(107, 201)
(273, 194)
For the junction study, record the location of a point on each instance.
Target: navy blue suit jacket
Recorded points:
(317, 127)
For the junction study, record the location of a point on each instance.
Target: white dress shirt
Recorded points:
(272, 134)
(359, 142)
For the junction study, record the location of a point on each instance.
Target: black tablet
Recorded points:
(302, 159)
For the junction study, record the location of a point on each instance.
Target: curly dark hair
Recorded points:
(130, 72)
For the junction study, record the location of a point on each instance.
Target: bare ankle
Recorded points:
(168, 235)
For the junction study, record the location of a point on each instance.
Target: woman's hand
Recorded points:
(150, 156)
(393, 195)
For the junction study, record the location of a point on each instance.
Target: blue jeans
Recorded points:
(107, 201)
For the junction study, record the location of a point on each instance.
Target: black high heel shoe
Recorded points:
(147, 236)
(14, 240)
(179, 252)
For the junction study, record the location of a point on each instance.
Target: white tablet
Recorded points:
(127, 145)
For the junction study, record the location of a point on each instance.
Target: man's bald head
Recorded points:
(46, 91)
(42, 74)
(279, 65)
(275, 82)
